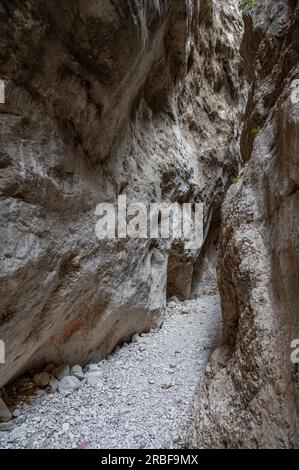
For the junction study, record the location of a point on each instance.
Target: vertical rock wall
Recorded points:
(250, 395)
(105, 98)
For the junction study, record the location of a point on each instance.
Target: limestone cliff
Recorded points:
(250, 394)
(105, 97)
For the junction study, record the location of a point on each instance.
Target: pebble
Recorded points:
(68, 385)
(167, 382)
(61, 372)
(136, 401)
(6, 426)
(39, 393)
(17, 434)
(92, 368)
(94, 379)
(65, 427)
(54, 384)
(77, 372)
(41, 379)
(135, 338)
(20, 419)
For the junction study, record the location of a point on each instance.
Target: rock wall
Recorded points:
(103, 98)
(250, 395)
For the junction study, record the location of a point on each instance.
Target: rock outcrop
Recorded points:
(105, 98)
(250, 394)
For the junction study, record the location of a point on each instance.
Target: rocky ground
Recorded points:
(140, 397)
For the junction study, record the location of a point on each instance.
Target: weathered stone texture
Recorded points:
(250, 395)
(105, 98)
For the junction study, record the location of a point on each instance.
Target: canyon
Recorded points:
(159, 101)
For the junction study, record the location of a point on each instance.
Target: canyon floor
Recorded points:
(143, 399)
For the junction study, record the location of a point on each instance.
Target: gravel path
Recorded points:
(145, 395)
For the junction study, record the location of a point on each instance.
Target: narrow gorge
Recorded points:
(149, 342)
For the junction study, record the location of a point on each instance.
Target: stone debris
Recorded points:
(167, 382)
(6, 426)
(61, 372)
(91, 368)
(77, 372)
(94, 378)
(68, 385)
(42, 379)
(136, 398)
(54, 384)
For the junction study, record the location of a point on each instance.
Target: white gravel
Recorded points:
(144, 395)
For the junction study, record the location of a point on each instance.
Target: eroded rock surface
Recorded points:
(105, 98)
(250, 393)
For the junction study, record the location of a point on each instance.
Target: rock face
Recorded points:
(250, 393)
(5, 414)
(105, 98)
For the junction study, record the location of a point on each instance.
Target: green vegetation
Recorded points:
(249, 4)
(235, 179)
(255, 130)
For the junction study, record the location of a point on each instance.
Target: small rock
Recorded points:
(17, 434)
(54, 384)
(39, 393)
(167, 383)
(69, 385)
(61, 372)
(5, 413)
(92, 368)
(105, 400)
(94, 378)
(77, 372)
(135, 338)
(6, 427)
(20, 419)
(41, 379)
(16, 413)
(65, 427)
